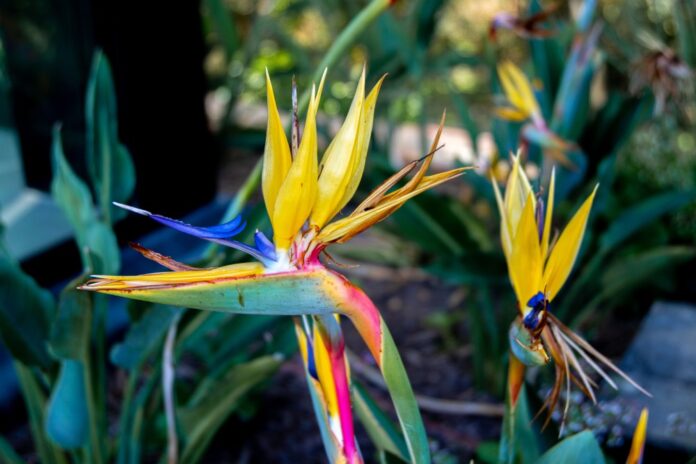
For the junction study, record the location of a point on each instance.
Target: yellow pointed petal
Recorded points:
(510, 114)
(517, 190)
(276, 153)
(548, 218)
(566, 249)
(508, 84)
(337, 161)
(344, 229)
(298, 192)
(358, 164)
(638, 444)
(525, 264)
(106, 283)
(518, 89)
(505, 229)
(325, 374)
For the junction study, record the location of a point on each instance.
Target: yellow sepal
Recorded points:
(276, 153)
(299, 189)
(336, 163)
(323, 365)
(518, 89)
(108, 282)
(638, 443)
(565, 251)
(525, 264)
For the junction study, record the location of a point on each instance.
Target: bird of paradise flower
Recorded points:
(538, 267)
(522, 106)
(302, 196)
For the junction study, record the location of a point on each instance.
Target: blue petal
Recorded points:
(264, 245)
(218, 233)
(226, 230)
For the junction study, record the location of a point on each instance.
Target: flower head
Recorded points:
(538, 267)
(527, 27)
(522, 106)
(303, 196)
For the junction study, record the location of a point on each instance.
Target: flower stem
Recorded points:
(345, 39)
(168, 376)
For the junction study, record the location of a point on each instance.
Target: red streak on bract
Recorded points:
(338, 368)
(363, 313)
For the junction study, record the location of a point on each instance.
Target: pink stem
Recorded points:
(338, 366)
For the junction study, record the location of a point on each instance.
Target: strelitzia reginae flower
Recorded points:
(303, 196)
(538, 268)
(522, 106)
(526, 27)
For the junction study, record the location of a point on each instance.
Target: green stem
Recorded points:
(168, 377)
(345, 39)
(127, 414)
(95, 444)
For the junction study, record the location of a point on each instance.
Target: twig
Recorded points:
(168, 376)
(427, 403)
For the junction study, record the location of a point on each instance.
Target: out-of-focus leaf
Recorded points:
(585, 15)
(224, 26)
(109, 162)
(685, 19)
(35, 401)
(627, 273)
(66, 417)
(200, 421)
(73, 197)
(487, 452)
(71, 328)
(638, 216)
(8, 454)
(518, 442)
(69, 191)
(581, 448)
(25, 314)
(143, 337)
(572, 101)
(379, 427)
(399, 386)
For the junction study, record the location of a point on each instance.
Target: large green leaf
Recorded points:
(74, 198)
(638, 216)
(200, 421)
(8, 454)
(25, 314)
(143, 337)
(67, 421)
(109, 162)
(581, 448)
(71, 328)
(518, 442)
(379, 427)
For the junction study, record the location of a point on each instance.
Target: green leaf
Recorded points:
(401, 393)
(74, 198)
(581, 448)
(518, 442)
(25, 314)
(7, 454)
(70, 192)
(200, 421)
(685, 19)
(379, 427)
(638, 216)
(143, 337)
(109, 162)
(35, 401)
(66, 418)
(70, 333)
